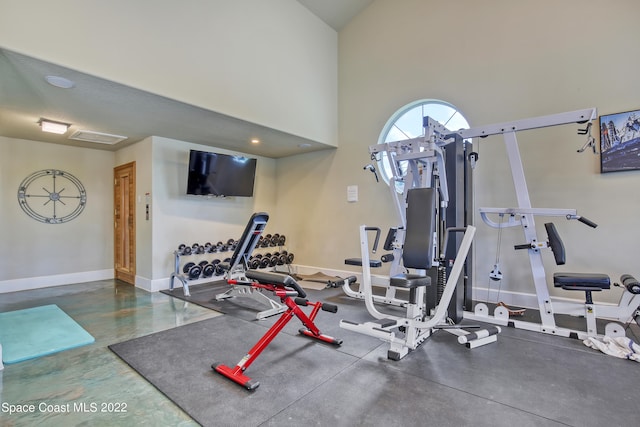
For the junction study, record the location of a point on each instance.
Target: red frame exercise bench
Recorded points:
(293, 296)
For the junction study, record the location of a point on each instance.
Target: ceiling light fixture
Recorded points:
(255, 141)
(53, 127)
(60, 82)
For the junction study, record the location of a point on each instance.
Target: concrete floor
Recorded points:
(526, 378)
(112, 312)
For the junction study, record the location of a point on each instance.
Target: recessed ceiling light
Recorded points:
(53, 127)
(255, 141)
(60, 82)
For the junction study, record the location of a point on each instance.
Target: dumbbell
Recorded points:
(219, 269)
(290, 258)
(210, 268)
(254, 263)
(282, 259)
(192, 270)
(282, 240)
(274, 240)
(266, 241)
(264, 261)
(184, 249)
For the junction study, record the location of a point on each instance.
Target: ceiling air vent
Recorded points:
(99, 137)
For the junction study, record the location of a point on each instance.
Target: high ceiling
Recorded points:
(102, 106)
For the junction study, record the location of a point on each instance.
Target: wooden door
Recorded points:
(125, 222)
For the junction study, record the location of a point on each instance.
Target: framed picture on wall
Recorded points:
(620, 142)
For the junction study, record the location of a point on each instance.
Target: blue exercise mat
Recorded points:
(39, 331)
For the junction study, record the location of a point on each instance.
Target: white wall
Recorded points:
(180, 218)
(496, 60)
(141, 154)
(35, 254)
(269, 62)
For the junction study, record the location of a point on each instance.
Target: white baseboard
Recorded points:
(29, 283)
(153, 285)
(516, 299)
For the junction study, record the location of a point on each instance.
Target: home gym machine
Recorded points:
(420, 163)
(430, 219)
(238, 266)
(524, 215)
(283, 286)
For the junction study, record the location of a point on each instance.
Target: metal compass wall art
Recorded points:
(52, 196)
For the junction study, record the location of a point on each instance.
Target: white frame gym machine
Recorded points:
(427, 159)
(429, 307)
(628, 307)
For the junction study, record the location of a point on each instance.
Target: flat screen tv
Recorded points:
(214, 174)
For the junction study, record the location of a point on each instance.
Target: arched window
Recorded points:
(406, 123)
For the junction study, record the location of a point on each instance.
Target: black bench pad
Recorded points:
(581, 281)
(276, 279)
(410, 281)
(374, 263)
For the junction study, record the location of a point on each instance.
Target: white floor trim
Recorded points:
(29, 283)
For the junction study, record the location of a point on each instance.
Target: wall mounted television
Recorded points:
(215, 174)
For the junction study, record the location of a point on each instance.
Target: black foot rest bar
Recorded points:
(384, 323)
(581, 281)
(630, 282)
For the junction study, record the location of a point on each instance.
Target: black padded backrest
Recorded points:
(249, 239)
(555, 243)
(417, 251)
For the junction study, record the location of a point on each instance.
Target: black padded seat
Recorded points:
(581, 281)
(373, 263)
(410, 281)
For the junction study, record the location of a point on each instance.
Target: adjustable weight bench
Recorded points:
(292, 296)
(238, 266)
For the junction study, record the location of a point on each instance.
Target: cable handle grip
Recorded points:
(583, 220)
(375, 242)
(588, 222)
(522, 246)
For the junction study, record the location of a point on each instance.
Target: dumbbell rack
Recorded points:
(196, 273)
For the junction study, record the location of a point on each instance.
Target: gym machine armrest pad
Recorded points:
(555, 243)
